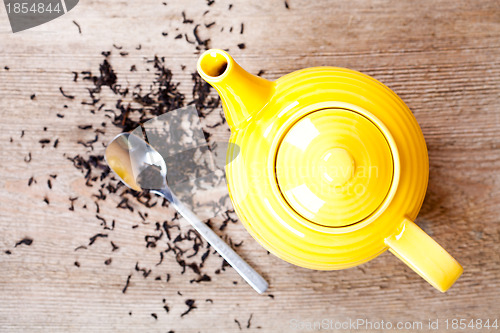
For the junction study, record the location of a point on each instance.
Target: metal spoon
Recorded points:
(141, 167)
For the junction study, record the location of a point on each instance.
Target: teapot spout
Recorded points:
(242, 93)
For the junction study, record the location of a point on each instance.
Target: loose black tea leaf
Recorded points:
(185, 20)
(145, 271)
(191, 306)
(187, 39)
(66, 95)
(25, 241)
(94, 238)
(249, 322)
(78, 26)
(72, 207)
(114, 246)
(103, 220)
(203, 278)
(124, 290)
(161, 259)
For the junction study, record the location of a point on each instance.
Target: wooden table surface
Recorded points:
(441, 57)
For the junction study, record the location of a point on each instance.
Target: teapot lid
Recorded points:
(334, 167)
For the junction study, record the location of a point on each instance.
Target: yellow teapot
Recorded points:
(331, 170)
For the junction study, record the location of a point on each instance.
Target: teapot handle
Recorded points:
(424, 255)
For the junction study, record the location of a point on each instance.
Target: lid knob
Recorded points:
(338, 166)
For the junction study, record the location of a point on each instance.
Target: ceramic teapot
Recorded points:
(332, 168)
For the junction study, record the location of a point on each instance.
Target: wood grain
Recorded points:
(441, 57)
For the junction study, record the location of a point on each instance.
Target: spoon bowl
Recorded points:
(131, 158)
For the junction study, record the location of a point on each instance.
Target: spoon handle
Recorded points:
(246, 272)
